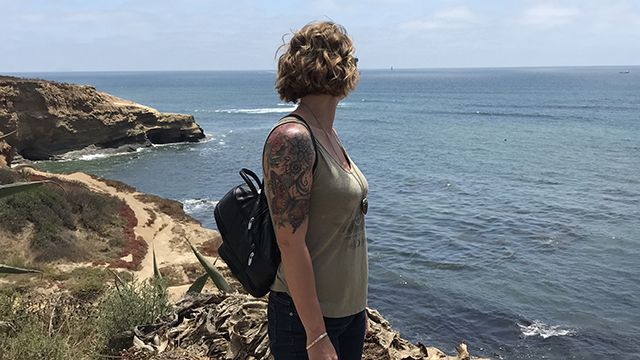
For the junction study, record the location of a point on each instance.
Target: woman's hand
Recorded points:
(323, 350)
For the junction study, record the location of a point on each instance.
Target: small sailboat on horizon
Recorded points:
(624, 72)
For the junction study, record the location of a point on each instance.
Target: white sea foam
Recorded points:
(282, 108)
(207, 138)
(538, 328)
(100, 154)
(192, 206)
(272, 110)
(90, 157)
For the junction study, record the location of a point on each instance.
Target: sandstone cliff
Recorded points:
(52, 118)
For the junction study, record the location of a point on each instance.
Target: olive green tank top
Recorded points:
(336, 236)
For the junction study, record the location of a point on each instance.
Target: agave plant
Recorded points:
(4, 136)
(198, 285)
(10, 189)
(156, 270)
(212, 272)
(6, 269)
(14, 188)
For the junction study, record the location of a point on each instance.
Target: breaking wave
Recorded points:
(95, 154)
(281, 108)
(193, 206)
(538, 328)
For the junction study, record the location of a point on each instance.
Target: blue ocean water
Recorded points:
(504, 203)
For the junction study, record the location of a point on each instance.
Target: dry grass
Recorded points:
(63, 223)
(65, 326)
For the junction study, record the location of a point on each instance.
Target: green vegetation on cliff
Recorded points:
(66, 222)
(66, 327)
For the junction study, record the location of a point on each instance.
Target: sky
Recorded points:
(120, 35)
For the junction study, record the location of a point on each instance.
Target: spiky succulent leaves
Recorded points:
(118, 281)
(14, 188)
(198, 285)
(211, 270)
(156, 270)
(2, 137)
(6, 269)
(10, 189)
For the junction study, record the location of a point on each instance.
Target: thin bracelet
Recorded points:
(324, 335)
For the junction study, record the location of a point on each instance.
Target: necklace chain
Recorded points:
(364, 204)
(336, 153)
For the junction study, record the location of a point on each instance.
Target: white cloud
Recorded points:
(449, 18)
(549, 15)
(459, 13)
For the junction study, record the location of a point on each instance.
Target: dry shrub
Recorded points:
(130, 304)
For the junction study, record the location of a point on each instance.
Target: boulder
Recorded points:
(53, 118)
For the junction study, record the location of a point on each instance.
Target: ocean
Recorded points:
(504, 203)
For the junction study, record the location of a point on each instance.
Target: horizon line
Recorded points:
(364, 69)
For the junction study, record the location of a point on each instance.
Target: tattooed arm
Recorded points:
(288, 167)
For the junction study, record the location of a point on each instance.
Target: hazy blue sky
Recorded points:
(64, 35)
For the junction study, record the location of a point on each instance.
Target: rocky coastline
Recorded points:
(213, 324)
(52, 118)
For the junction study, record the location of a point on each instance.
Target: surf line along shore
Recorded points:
(165, 228)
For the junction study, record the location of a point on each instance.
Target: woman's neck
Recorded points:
(322, 108)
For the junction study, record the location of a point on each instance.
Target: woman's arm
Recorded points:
(288, 168)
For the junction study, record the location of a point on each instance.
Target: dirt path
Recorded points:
(161, 232)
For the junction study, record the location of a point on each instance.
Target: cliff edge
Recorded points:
(108, 228)
(52, 118)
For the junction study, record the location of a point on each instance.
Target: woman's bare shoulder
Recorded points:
(287, 140)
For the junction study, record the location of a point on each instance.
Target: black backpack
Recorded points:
(249, 244)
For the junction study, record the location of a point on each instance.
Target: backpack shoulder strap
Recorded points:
(295, 118)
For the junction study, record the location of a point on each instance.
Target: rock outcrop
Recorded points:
(234, 327)
(52, 118)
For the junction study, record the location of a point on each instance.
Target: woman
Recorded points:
(317, 198)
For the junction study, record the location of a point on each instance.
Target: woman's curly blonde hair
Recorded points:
(319, 59)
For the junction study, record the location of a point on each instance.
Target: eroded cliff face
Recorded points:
(52, 118)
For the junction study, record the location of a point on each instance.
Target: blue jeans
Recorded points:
(288, 340)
